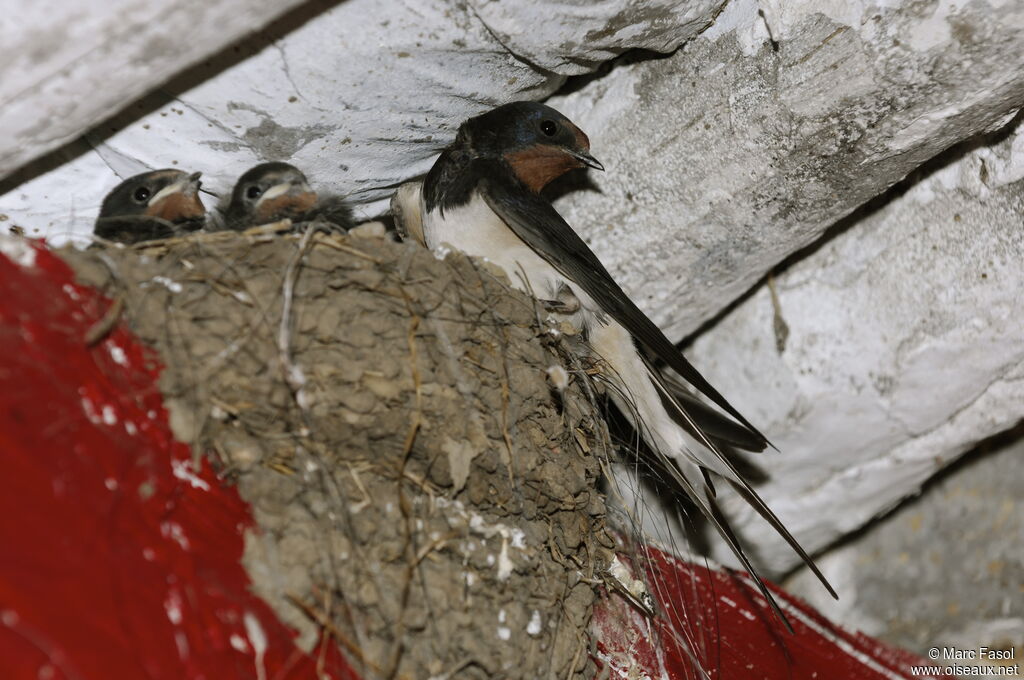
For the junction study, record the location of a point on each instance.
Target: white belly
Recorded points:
(476, 230)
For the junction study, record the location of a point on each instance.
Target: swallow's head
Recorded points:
(537, 142)
(269, 192)
(169, 195)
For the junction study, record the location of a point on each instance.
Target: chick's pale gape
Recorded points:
(482, 196)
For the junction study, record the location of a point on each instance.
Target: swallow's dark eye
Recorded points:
(141, 194)
(253, 192)
(548, 127)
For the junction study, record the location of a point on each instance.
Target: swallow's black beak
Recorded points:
(587, 160)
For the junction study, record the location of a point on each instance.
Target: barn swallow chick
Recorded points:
(152, 205)
(275, 191)
(482, 196)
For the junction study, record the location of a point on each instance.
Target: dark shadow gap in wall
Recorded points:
(938, 162)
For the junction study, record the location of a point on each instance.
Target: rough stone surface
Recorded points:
(894, 348)
(736, 151)
(898, 578)
(571, 37)
(421, 488)
(68, 64)
(359, 94)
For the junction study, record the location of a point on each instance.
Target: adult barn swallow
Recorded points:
(275, 191)
(153, 205)
(482, 196)
(406, 209)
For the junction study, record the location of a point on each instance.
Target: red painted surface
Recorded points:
(117, 560)
(715, 619)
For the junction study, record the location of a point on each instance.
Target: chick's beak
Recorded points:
(187, 186)
(178, 201)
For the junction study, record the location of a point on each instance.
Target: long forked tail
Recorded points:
(687, 454)
(709, 508)
(722, 465)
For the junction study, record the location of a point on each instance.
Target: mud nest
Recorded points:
(420, 446)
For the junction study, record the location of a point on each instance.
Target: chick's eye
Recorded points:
(253, 192)
(548, 127)
(141, 194)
